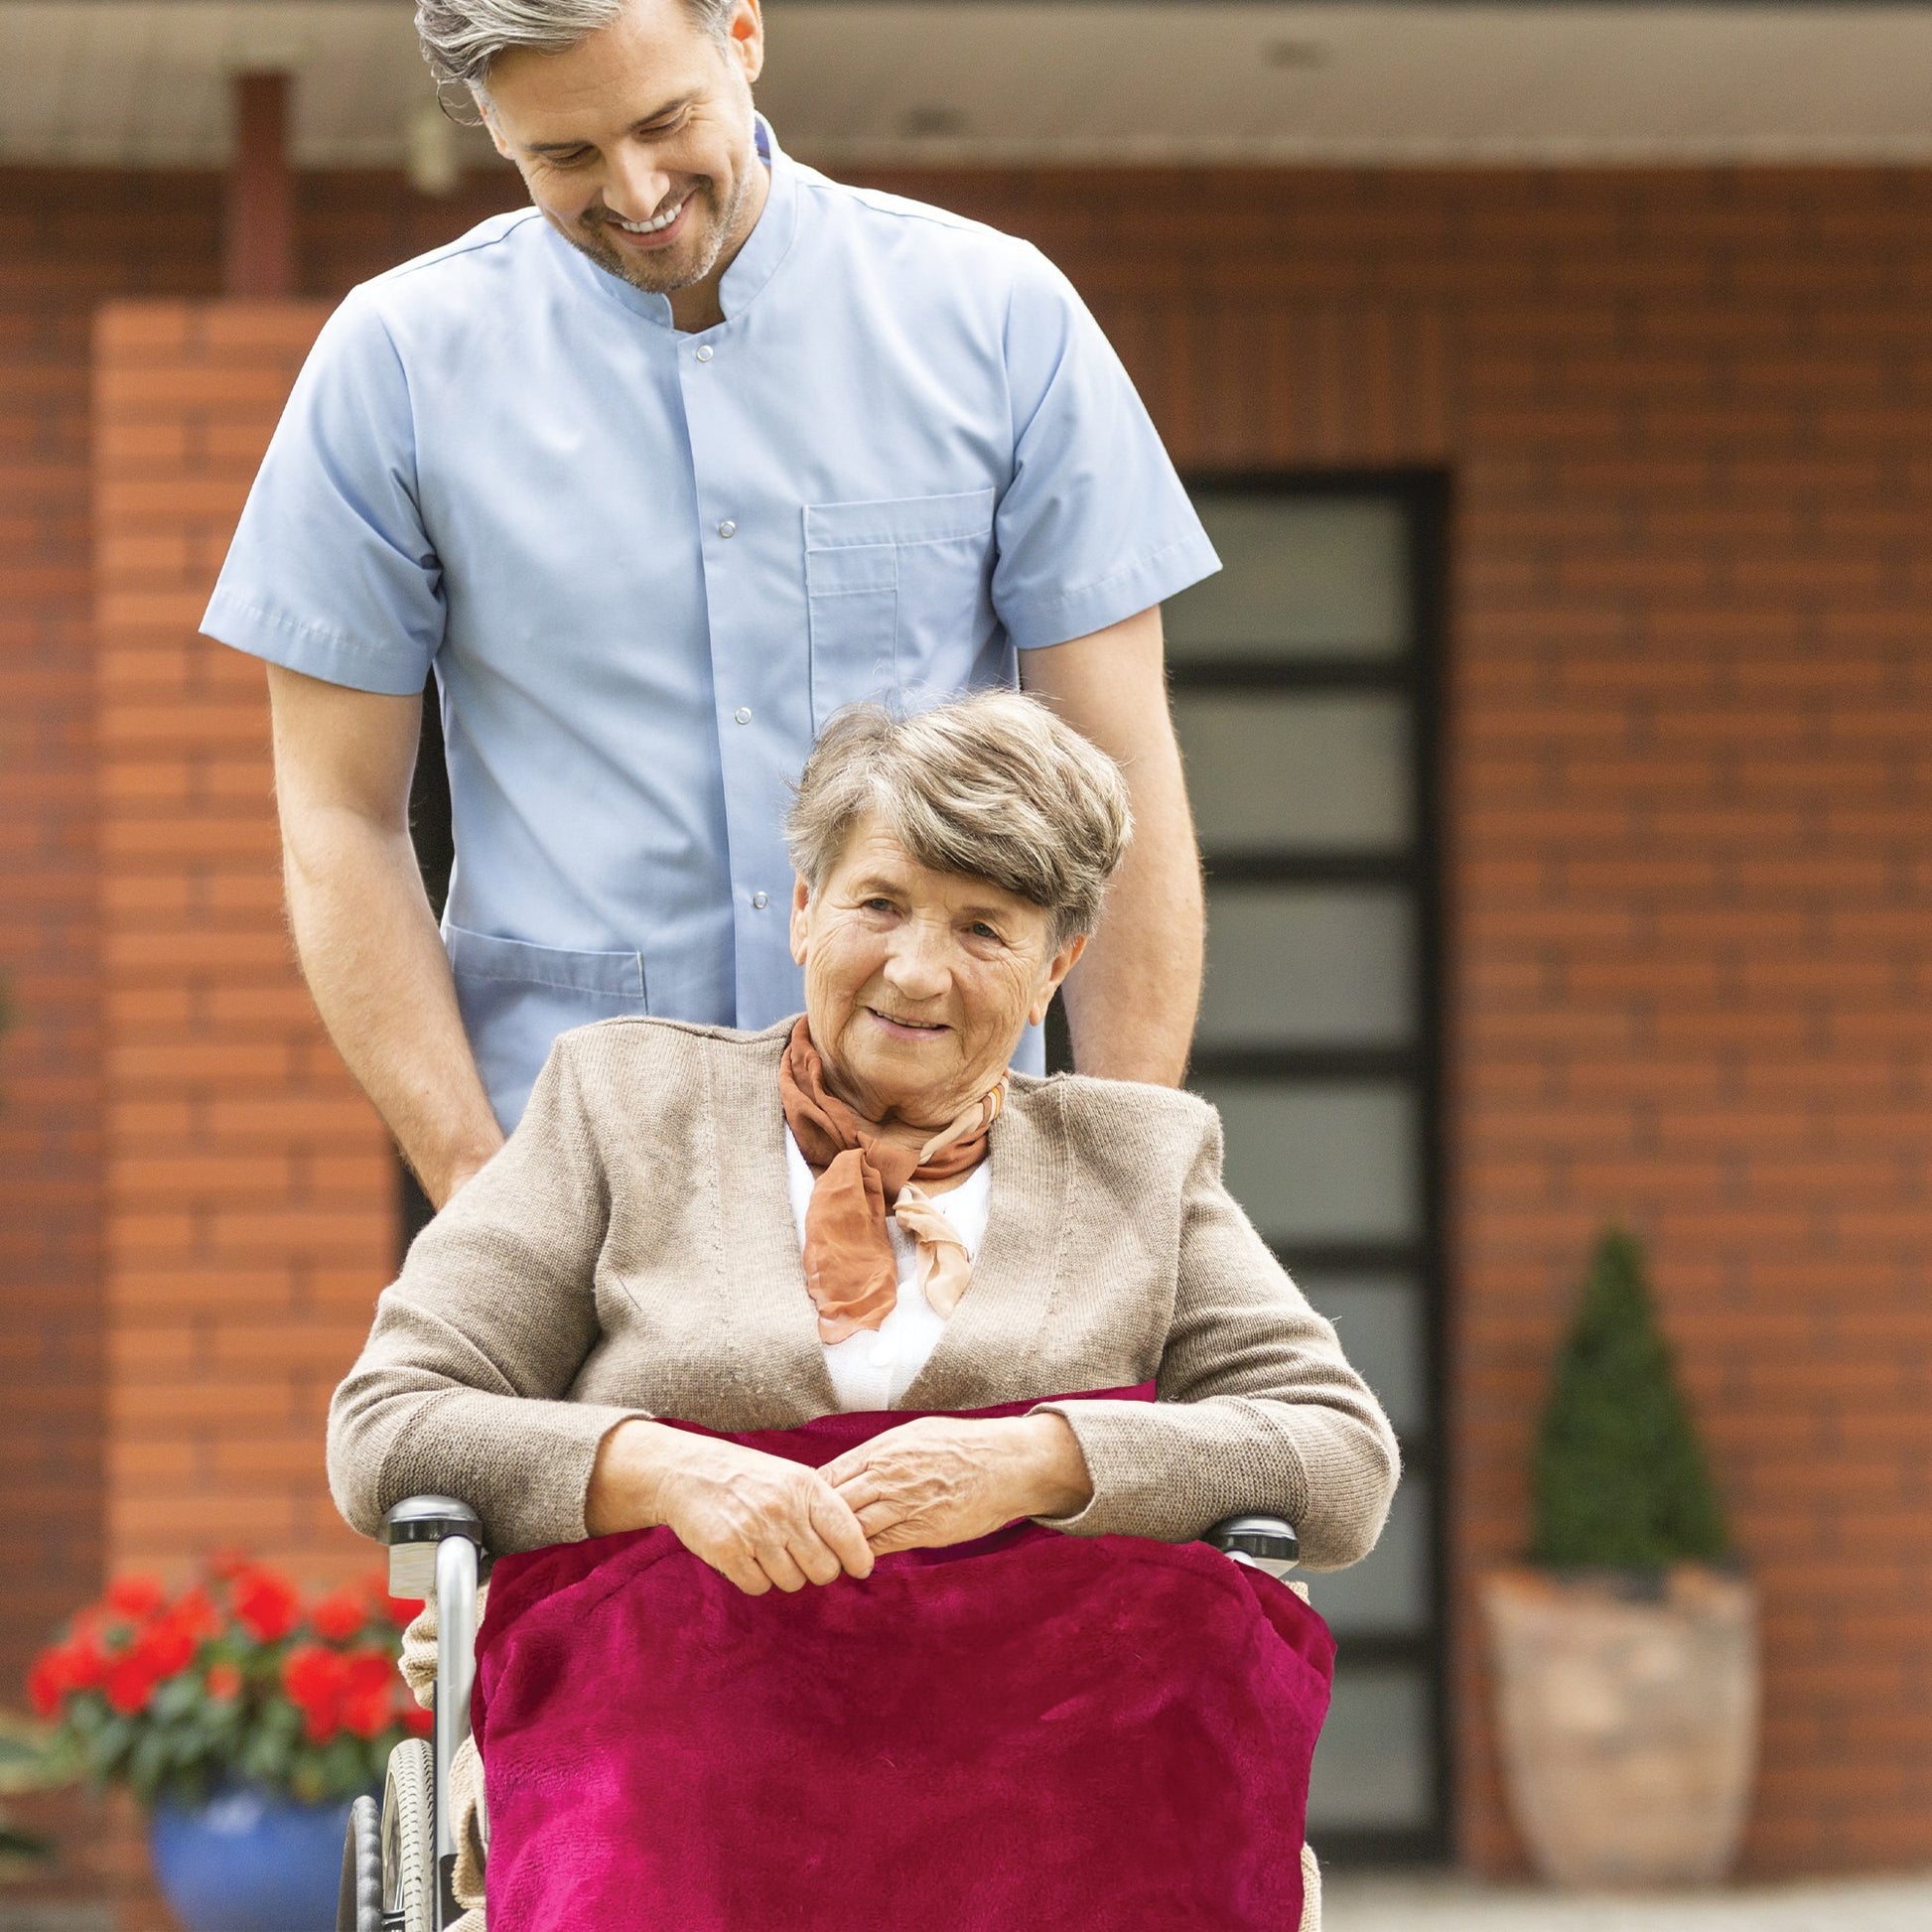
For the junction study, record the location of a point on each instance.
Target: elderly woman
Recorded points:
(864, 1209)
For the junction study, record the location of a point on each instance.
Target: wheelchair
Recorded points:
(399, 1860)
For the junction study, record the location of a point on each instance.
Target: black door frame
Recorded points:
(432, 831)
(1424, 499)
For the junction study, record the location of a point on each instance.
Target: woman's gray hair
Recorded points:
(461, 37)
(992, 786)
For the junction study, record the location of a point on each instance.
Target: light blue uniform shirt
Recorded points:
(648, 566)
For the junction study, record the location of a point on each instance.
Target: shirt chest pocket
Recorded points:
(881, 579)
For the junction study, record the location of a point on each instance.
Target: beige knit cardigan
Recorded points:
(631, 1252)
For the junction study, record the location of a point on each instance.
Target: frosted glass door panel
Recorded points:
(1299, 578)
(1323, 773)
(1372, 1767)
(1320, 1161)
(1301, 681)
(1379, 1318)
(1385, 1594)
(1308, 966)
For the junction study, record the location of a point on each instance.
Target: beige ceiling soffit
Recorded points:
(856, 83)
(995, 82)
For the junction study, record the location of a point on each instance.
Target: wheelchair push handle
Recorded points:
(1263, 1542)
(413, 1529)
(436, 1552)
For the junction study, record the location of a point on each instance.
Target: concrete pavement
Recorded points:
(1360, 1903)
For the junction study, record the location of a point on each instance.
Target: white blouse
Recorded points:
(872, 1370)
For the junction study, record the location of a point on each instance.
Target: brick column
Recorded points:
(251, 1215)
(258, 251)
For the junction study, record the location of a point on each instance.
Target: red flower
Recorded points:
(367, 1713)
(165, 1649)
(130, 1682)
(265, 1604)
(135, 1597)
(315, 1681)
(418, 1721)
(85, 1663)
(46, 1683)
(227, 1564)
(78, 1664)
(371, 1685)
(340, 1615)
(372, 1670)
(224, 1681)
(196, 1614)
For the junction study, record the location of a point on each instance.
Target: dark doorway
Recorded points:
(1306, 681)
(435, 841)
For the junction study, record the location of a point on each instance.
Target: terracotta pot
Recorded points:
(1628, 1720)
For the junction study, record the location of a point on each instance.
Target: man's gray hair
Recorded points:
(463, 38)
(992, 786)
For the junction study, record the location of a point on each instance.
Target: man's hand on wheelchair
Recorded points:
(945, 1479)
(760, 1520)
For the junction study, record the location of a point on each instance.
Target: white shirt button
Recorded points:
(704, 352)
(728, 528)
(761, 900)
(742, 714)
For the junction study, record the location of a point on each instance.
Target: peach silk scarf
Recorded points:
(850, 1270)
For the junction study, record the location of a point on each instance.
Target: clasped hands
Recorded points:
(765, 1522)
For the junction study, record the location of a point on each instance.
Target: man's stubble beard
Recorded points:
(653, 278)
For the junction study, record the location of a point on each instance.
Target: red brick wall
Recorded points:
(1685, 418)
(69, 240)
(61, 252)
(249, 1189)
(1688, 419)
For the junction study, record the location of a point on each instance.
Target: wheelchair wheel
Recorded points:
(358, 1907)
(409, 1839)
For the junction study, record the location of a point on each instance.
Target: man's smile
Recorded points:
(657, 231)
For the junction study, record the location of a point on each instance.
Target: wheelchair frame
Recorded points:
(436, 1550)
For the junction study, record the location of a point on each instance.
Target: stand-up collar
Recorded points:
(752, 267)
(770, 240)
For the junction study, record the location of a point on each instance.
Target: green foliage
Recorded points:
(29, 1761)
(1619, 1480)
(232, 1679)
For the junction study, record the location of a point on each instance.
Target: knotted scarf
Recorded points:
(850, 1270)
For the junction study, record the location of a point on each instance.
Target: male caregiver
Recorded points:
(656, 475)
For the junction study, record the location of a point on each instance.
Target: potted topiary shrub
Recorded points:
(247, 1719)
(1625, 1650)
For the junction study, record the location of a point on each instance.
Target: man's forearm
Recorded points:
(375, 965)
(1132, 999)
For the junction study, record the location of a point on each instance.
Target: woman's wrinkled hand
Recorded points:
(945, 1479)
(760, 1520)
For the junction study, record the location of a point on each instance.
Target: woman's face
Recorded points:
(918, 983)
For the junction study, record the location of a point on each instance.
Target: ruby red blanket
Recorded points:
(1032, 1731)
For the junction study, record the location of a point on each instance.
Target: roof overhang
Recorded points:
(142, 82)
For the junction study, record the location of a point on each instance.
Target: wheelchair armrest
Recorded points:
(1266, 1542)
(425, 1535)
(413, 1529)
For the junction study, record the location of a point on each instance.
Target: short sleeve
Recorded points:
(330, 571)
(1094, 525)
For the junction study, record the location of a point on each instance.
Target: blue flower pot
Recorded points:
(250, 1861)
